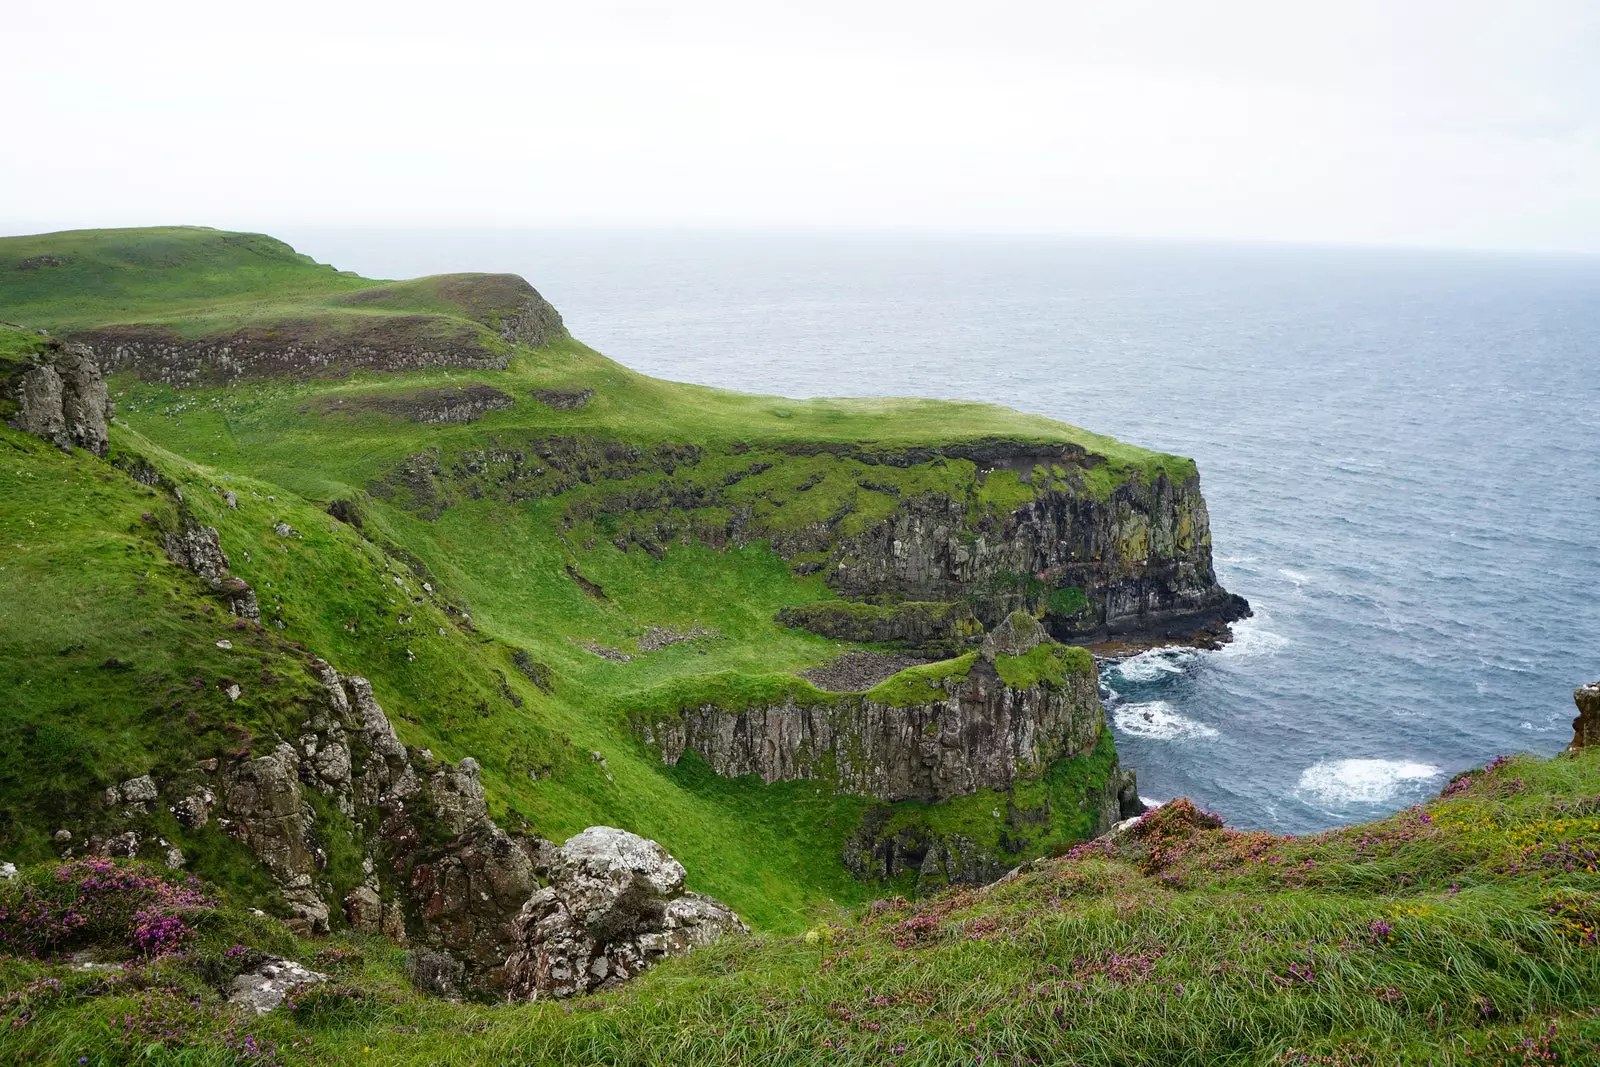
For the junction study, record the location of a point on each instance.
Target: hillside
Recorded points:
(1457, 932)
(355, 597)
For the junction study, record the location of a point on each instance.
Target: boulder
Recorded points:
(261, 990)
(1018, 635)
(615, 906)
(64, 400)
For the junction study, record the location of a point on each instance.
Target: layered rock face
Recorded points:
(615, 905)
(978, 734)
(505, 306)
(931, 628)
(1131, 561)
(1141, 560)
(981, 734)
(63, 399)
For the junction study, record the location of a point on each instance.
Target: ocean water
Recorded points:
(1400, 450)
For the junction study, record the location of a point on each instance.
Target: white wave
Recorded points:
(1154, 664)
(1150, 802)
(1362, 781)
(1158, 721)
(1251, 640)
(1296, 577)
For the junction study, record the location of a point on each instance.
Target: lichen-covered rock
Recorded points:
(1586, 727)
(615, 906)
(1018, 635)
(63, 399)
(264, 988)
(266, 811)
(199, 549)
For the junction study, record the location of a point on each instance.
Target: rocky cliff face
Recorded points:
(1100, 558)
(1586, 727)
(496, 311)
(978, 733)
(1136, 563)
(438, 871)
(62, 398)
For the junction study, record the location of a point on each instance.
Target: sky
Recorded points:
(1440, 123)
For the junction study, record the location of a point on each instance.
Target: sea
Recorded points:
(1400, 451)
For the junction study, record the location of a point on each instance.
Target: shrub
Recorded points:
(98, 901)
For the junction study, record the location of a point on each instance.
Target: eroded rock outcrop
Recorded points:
(972, 732)
(198, 548)
(491, 310)
(1586, 727)
(615, 905)
(931, 628)
(62, 398)
(1102, 556)
(1136, 563)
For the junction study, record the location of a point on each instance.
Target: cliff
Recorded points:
(926, 734)
(504, 544)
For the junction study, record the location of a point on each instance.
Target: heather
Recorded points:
(1461, 931)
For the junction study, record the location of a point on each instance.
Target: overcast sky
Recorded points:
(1450, 123)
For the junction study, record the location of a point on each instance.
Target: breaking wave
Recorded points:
(1158, 721)
(1362, 781)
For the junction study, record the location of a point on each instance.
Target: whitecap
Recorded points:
(1158, 721)
(1362, 781)
(1251, 640)
(1150, 802)
(1294, 576)
(1154, 664)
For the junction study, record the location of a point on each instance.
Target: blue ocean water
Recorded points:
(1400, 450)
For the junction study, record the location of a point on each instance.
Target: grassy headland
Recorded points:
(1462, 931)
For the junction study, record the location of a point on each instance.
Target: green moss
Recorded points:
(728, 690)
(1068, 601)
(921, 685)
(1047, 664)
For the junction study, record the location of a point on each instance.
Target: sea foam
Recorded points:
(1362, 781)
(1154, 664)
(1158, 721)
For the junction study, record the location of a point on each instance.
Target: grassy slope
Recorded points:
(772, 852)
(191, 280)
(1460, 932)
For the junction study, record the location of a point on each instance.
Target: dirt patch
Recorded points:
(594, 590)
(447, 404)
(563, 399)
(856, 672)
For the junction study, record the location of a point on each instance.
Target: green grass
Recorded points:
(920, 685)
(1182, 945)
(1047, 664)
(643, 514)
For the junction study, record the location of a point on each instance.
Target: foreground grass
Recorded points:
(1460, 932)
